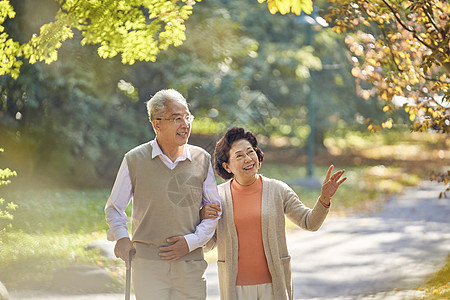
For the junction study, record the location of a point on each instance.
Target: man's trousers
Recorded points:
(162, 280)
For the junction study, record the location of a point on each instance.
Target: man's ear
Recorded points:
(155, 124)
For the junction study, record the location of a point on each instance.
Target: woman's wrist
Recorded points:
(325, 201)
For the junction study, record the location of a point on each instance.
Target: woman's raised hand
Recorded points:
(210, 211)
(331, 183)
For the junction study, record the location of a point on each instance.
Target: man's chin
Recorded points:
(182, 140)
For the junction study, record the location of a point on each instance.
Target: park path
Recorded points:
(381, 255)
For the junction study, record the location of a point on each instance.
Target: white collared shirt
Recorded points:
(121, 195)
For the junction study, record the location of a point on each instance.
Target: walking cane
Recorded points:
(128, 276)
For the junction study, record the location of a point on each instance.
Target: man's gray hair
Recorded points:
(157, 105)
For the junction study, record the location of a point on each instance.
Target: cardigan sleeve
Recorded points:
(304, 217)
(212, 243)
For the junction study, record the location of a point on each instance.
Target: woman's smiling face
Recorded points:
(243, 162)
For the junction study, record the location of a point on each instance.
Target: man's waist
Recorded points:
(151, 252)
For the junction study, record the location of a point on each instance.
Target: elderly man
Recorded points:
(169, 181)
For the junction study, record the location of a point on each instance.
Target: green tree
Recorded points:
(136, 29)
(282, 66)
(67, 119)
(239, 64)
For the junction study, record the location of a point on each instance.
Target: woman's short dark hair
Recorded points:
(223, 146)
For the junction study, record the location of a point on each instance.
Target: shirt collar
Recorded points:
(156, 151)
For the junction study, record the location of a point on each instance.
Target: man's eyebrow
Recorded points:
(180, 114)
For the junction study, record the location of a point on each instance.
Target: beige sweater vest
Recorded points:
(166, 202)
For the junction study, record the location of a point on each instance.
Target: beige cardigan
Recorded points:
(278, 200)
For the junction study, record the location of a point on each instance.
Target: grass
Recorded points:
(51, 229)
(438, 287)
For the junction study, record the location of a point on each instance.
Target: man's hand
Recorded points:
(178, 249)
(122, 250)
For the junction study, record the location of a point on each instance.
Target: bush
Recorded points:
(6, 208)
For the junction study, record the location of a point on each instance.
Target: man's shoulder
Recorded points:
(197, 150)
(141, 149)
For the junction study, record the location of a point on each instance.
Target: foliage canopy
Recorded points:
(136, 29)
(401, 53)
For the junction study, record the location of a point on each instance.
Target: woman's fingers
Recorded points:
(327, 177)
(337, 175)
(331, 185)
(342, 180)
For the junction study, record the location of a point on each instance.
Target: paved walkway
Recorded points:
(384, 255)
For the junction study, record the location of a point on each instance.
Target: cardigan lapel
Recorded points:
(265, 211)
(229, 209)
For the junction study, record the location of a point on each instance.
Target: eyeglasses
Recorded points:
(179, 119)
(251, 153)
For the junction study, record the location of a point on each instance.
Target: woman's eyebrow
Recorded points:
(243, 150)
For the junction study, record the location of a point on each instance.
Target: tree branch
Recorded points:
(430, 17)
(434, 79)
(400, 21)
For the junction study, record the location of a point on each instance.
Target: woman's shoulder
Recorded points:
(274, 182)
(224, 185)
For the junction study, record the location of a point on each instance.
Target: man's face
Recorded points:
(172, 132)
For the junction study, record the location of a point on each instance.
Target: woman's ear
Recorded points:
(225, 166)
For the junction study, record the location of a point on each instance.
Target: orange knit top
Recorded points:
(252, 263)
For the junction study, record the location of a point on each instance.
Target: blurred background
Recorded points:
(65, 126)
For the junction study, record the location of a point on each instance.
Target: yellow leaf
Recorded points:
(385, 108)
(387, 124)
(272, 7)
(284, 6)
(297, 7)
(307, 6)
(412, 117)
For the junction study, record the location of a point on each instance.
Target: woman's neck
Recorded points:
(247, 182)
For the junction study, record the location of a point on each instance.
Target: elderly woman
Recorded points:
(253, 259)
